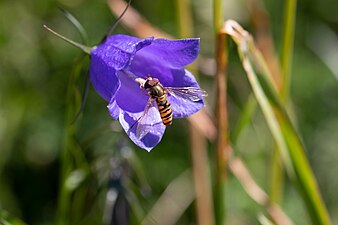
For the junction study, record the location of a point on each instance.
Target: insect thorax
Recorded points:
(154, 88)
(156, 91)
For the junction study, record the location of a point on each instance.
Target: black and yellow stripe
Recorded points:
(164, 108)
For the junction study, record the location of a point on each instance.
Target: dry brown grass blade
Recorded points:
(202, 183)
(135, 22)
(221, 98)
(198, 142)
(203, 122)
(173, 202)
(239, 170)
(222, 136)
(263, 39)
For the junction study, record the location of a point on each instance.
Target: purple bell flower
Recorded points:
(116, 65)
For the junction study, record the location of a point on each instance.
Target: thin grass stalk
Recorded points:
(198, 143)
(263, 38)
(287, 46)
(264, 41)
(276, 176)
(185, 21)
(222, 149)
(65, 194)
(201, 178)
(218, 15)
(245, 117)
(276, 184)
(222, 127)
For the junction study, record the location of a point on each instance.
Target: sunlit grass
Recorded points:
(55, 172)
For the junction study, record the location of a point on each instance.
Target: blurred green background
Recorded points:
(34, 74)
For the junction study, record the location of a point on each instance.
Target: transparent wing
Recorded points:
(147, 120)
(187, 93)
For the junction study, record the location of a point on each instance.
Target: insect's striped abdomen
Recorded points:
(164, 108)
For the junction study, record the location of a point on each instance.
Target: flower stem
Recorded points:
(222, 145)
(84, 48)
(218, 15)
(287, 49)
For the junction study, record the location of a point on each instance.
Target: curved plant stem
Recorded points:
(84, 48)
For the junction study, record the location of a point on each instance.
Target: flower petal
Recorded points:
(174, 53)
(142, 65)
(127, 43)
(183, 78)
(150, 140)
(103, 78)
(163, 58)
(130, 97)
(114, 54)
(183, 108)
(118, 50)
(114, 109)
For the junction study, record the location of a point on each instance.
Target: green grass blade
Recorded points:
(198, 143)
(244, 119)
(277, 173)
(305, 178)
(282, 130)
(291, 148)
(287, 46)
(76, 24)
(72, 158)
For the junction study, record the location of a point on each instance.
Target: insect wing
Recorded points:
(147, 122)
(187, 93)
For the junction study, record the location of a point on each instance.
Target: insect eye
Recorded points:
(146, 85)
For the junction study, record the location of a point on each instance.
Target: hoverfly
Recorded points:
(158, 95)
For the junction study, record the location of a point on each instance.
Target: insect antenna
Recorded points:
(112, 28)
(83, 98)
